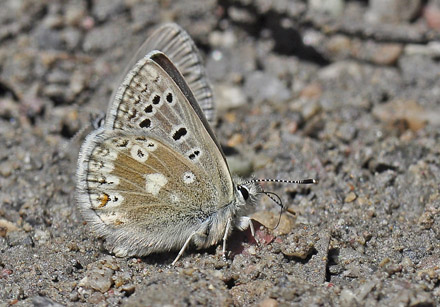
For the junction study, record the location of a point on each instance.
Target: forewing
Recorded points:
(173, 41)
(151, 102)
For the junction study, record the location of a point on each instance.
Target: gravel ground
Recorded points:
(344, 91)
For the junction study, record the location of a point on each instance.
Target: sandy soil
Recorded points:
(346, 92)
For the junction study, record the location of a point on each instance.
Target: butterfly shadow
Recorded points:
(237, 244)
(239, 241)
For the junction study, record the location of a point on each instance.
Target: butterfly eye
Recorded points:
(244, 192)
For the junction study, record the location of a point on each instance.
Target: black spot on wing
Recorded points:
(180, 133)
(146, 123)
(169, 98)
(149, 109)
(156, 99)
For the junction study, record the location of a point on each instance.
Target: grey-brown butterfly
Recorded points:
(154, 178)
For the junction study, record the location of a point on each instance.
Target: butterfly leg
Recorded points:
(228, 226)
(182, 250)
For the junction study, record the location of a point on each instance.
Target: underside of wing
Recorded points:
(140, 195)
(173, 41)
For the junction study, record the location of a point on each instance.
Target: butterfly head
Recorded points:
(247, 192)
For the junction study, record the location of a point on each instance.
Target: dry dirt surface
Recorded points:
(344, 91)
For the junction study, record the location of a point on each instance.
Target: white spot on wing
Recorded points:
(150, 146)
(139, 153)
(101, 166)
(188, 177)
(105, 153)
(154, 182)
(174, 197)
(111, 218)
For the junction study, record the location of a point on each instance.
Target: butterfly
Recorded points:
(153, 178)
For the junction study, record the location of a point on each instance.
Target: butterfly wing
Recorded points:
(155, 172)
(173, 41)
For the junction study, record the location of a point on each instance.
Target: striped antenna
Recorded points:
(302, 181)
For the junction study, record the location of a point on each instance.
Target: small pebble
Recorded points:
(98, 279)
(128, 289)
(432, 15)
(260, 86)
(387, 54)
(270, 220)
(331, 7)
(268, 302)
(229, 97)
(350, 197)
